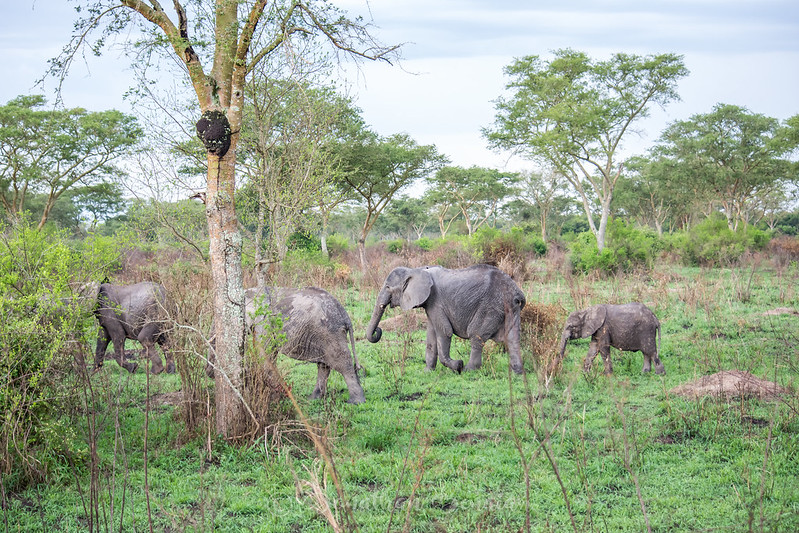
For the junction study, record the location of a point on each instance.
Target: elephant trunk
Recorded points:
(562, 347)
(373, 331)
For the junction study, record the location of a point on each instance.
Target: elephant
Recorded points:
(316, 327)
(477, 303)
(135, 312)
(629, 327)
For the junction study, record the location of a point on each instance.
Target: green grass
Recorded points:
(440, 450)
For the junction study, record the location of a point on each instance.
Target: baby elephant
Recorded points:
(629, 327)
(136, 312)
(317, 328)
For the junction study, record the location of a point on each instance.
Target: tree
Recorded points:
(732, 155)
(378, 168)
(49, 152)
(475, 192)
(217, 66)
(572, 114)
(286, 157)
(408, 216)
(542, 192)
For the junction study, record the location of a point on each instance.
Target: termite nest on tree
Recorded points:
(214, 131)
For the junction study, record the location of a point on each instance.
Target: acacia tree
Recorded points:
(408, 216)
(217, 65)
(377, 168)
(542, 192)
(286, 158)
(572, 114)
(49, 152)
(732, 155)
(475, 192)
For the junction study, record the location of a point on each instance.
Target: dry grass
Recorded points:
(541, 326)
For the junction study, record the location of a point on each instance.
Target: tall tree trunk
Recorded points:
(362, 252)
(228, 297)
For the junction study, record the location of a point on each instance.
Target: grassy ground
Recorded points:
(483, 451)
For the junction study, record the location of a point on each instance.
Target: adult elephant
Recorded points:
(477, 303)
(629, 327)
(135, 312)
(317, 330)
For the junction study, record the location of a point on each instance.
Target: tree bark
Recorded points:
(226, 271)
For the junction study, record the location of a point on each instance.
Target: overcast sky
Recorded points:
(739, 52)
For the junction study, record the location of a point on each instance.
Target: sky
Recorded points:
(744, 53)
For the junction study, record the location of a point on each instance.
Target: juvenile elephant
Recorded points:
(477, 303)
(316, 326)
(630, 327)
(133, 312)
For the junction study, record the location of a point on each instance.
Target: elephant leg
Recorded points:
(322, 373)
(431, 349)
(476, 355)
(147, 337)
(647, 362)
(593, 349)
(168, 355)
(116, 333)
(444, 343)
(102, 345)
(119, 354)
(604, 349)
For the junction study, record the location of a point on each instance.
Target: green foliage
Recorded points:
(425, 243)
(627, 248)
(395, 246)
(492, 244)
(46, 305)
(52, 151)
(337, 244)
(789, 223)
(712, 242)
(304, 240)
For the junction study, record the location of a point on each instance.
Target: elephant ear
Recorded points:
(417, 289)
(594, 318)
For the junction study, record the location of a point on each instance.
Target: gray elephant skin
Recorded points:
(631, 327)
(478, 303)
(317, 329)
(135, 312)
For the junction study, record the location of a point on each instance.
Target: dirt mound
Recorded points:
(781, 311)
(731, 384)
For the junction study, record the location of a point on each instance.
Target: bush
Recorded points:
(337, 244)
(712, 242)
(46, 305)
(627, 248)
(493, 245)
(425, 243)
(395, 246)
(303, 240)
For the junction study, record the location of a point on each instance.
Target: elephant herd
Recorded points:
(478, 303)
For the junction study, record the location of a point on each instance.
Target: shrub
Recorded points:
(784, 249)
(47, 315)
(425, 243)
(395, 246)
(712, 242)
(337, 244)
(493, 245)
(627, 248)
(303, 240)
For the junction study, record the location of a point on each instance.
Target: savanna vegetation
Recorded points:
(284, 184)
